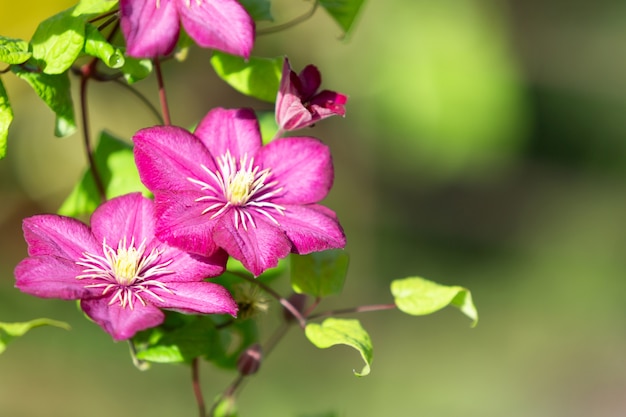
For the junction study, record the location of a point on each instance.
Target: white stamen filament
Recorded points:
(126, 270)
(245, 189)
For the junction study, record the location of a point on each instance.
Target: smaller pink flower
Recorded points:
(119, 271)
(151, 27)
(298, 104)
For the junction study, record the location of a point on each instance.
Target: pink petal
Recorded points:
(310, 80)
(122, 322)
(258, 248)
(180, 222)
(190, 267)
(51, 277)
(302, 166)
(167, 155)
(293, 115)
(197, 297)
(328, 103)
(234, 130)
(218, 24)
(312, 228)
(150, 31)
(49, 234)
(130, 216)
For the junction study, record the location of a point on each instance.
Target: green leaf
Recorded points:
(13, 51)
(320, 273)
(136, 69)
(54, 90)
(342, 332)
(10, 331)
(255, 77)
(96, 45)
(226, 407)
(268, 125)
(6, 117)
(116, 165)
(90, 8)
(58, 41)
(417, 296)
(258, 9)
(343, 11)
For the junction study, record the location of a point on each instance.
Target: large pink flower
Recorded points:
(151, 27)
(299, 104)
(119, 271)
(220, 188)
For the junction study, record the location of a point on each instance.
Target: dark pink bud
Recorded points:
(249, 361)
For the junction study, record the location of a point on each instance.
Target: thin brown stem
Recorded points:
(86, 72)
(141, 97)
(197, 391)
(291, 23)
(359, 309)
(162, 96)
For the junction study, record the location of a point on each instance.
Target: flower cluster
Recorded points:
(218, 192)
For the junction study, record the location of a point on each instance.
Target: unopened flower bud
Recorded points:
(249, 361)
(299, 303)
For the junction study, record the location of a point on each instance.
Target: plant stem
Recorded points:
(197, 391)
(359, 309)
(291, 23)
(86, 72)
(162, 96)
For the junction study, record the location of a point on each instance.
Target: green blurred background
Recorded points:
(484, 146)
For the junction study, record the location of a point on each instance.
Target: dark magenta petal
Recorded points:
(328, 103)
(51, 277)
(301, 165)
(218, 24)
(122, 322)
(310, 81)
(236, 131)
(293, 115)
(196, 297)
(180, 222)
(150, 31)
(167, 155)
(49, 234)
(257, 248)
(312, 229)
(129, 217)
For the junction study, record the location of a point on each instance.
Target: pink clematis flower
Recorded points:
(120, 273)
(298, 104)
(220, 188)
(151, 27)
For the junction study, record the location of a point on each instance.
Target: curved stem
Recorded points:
(162, 96)
(86, 72)
(197, 391)
(291, 23)
(141, 97)
(359, 309)
(283, 301)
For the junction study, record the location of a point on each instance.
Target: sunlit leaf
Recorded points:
(13, 51)
(54, 90)
(116, 165)
(343, 11)
(6, 117)
(255, 77)
(267, 124)
(417, 296)
(349, 332)
(320, 273)
(136, 69)
(258, 9)
(90, 8)
(226, 407)
(96, 45)
(10, 331)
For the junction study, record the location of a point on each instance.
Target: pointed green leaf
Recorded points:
(417, 296)
(342, 332)
(343, 11)
(320, 273)
(136, 69)
(6, 117)
(58, 41)
(54, 90)
(13, 51)
(10, 331)
(116, 165)
(255, 77)
(91, 8)
(96, 45)
(258, 9)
